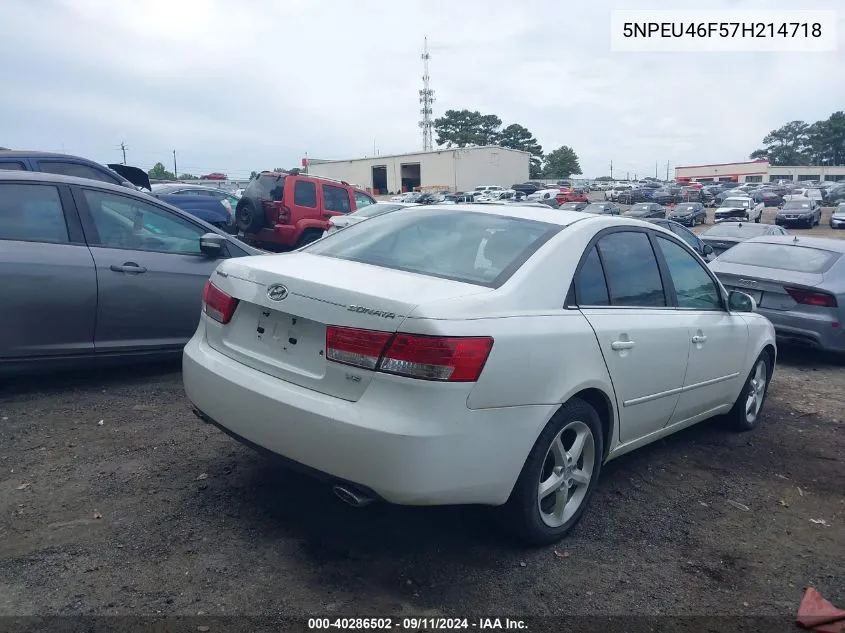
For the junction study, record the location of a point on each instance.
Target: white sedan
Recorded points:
(338, 222)
(475, 354)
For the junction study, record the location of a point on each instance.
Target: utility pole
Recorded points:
(667, 170)
(628, 175)
(175, 173)
(611, 170)
(655, 170)
(123, 148)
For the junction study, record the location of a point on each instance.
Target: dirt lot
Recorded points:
(151, 511)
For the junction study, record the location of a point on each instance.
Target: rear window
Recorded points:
(470, 247)
(266, 187)
(745, 231)
(800, 259)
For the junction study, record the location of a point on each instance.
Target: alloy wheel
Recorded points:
(565, 477)
(756, 391)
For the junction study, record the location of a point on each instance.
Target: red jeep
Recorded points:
(279, 210)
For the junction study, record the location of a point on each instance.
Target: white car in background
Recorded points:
(800, 194)
(543, 194)
(339, 222)
(392, 357)
(403, 197)
(739, 208)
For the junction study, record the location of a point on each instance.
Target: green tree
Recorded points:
(518, 137)
(253, 175)
(787, 145)
(158, 172)
(278, 170)
(562, 163)
(294, 171)
(460, 128)
(603, 179)
(187, 177)
(826, 140)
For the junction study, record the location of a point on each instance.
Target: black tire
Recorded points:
(308, 236)
(521, 515)
(758, 218)
(738, 418)
(249, 218)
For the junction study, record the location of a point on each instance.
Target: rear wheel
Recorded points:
(248, 218)
(308, 236)
(746, 410)
(558, 477)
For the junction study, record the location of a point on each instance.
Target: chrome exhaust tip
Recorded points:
(352, 497)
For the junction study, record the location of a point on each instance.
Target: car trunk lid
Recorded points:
(285, 336)
(770, 291)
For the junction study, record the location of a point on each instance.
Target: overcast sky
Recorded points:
(234, 86)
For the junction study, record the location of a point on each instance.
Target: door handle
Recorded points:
(620, 345)
(699, 338)
(128, 267)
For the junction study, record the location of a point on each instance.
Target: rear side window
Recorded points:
(305, 194)
(590, 286)
(12, 165)
(632, 273)
(475, 248)
(32, 213)
(335, 199)
(76, 169)
(802, 259)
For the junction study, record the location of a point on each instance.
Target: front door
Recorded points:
(717, 338)
(620, 292)
(150, 272)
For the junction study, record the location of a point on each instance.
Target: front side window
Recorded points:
(124, 222)
(305, 194)
(693, 286)
(335, 199)
(32, 213)
(688, 236)
(362, 200)
(75, 169)
(632, 273)
(465, 246)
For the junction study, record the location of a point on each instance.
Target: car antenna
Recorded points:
(794, 239)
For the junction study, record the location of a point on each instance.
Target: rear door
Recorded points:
(644, 341)
(304, 201)
(150, 271)
(47, 277)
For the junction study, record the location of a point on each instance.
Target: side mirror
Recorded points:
(212, 244)
(740, 302)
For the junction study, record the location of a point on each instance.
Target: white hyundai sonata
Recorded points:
(475, 355)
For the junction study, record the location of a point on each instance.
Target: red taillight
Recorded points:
(362, 348)
(284, 214)
(217, 304)
(808, 297)
(444, 358)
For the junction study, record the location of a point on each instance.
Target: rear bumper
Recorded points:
(806, 330)
(413, 446)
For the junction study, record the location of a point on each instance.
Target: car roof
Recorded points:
(825, 243)
(23, 153)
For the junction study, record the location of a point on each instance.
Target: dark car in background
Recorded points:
(573, 206)
(689, 213)
(803, 212)
(93, 272)
(726, 235)
(835, 195)
(76, 166)
(645, 210)
(768, 197)
(634, 195)
(606, 208)
(695, 242)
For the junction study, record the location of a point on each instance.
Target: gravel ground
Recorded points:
(151, 511)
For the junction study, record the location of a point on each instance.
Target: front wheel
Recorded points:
(746, 410)
(558, 477)
(308, 236)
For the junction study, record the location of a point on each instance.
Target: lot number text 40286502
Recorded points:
(417, 624)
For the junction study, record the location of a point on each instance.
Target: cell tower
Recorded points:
(426, 100)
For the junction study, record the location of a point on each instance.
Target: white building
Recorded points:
(456, 169)
(758, 171)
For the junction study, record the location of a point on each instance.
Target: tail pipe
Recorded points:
(353, 497)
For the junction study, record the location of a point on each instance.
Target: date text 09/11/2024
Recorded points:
(417, 624)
